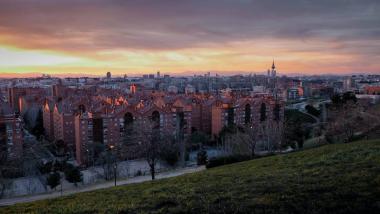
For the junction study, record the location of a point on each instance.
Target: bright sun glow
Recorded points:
(11, 57)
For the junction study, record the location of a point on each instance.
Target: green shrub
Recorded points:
(202, 157)
(313, 111)
(138, 173)
(219, 161)
(73, 174)
(45, 168)
(53, 180)
(170, 156)
(358, 137)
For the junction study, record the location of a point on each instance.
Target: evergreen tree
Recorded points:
(53, 180)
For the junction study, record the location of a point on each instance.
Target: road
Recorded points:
(103, 185)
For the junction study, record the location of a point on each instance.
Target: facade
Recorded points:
(372, 89)
(293, 94)
(251, 111)
(83, 137)
(15, 93)
(11, 135)
(59, 90)
(48, 119)
(92, 115)
(63, 125)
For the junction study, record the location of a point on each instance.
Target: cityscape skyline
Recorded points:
(229, 37)
(179, 106)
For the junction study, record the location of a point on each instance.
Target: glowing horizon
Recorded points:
(228, 37)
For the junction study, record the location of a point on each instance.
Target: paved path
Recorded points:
(139, 179)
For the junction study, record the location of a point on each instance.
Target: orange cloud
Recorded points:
(132, 37)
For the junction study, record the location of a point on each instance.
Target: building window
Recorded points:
(263, 112)
(247, 114)
(276, 112)
(230, 117)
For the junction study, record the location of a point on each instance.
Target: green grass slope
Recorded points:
(341, 178)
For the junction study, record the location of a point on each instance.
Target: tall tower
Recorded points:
(274, 79)
(273, 69)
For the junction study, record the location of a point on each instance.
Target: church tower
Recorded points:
(272, 80)
(273, 70)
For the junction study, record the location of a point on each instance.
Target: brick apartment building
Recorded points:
(15, 93)
(83, 137)
(11, 135)
(84, 119)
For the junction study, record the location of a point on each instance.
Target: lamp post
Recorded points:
(88, 157)
(114, 164)
(114, 171)
(61, 180)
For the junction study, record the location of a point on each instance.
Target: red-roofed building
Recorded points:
(372, 89)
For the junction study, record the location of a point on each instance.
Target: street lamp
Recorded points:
(114, 163)
(88, 157)
(114, 171)
(61, 180)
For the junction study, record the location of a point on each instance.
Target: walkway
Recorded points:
(139, 179)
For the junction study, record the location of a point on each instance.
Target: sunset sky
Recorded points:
(91, 37)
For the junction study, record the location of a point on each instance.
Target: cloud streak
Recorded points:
(340, 27)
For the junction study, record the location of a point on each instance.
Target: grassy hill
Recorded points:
(341, 178)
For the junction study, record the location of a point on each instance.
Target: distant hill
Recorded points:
(339, 178)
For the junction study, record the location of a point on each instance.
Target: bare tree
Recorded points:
(3, 165)
(349, 118)
(244, 140)
(273, 133)
(170, 151)
(149, 142)
(371, 119)
(345, 121)
(10, 168)
(108, 160)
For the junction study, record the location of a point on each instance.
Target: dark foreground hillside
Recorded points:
(342, 178)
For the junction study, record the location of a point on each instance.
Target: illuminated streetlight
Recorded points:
(114, 170)
(114, 164)
(88, 157)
